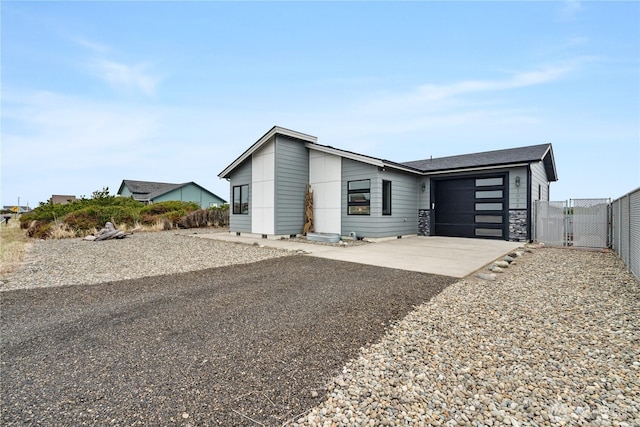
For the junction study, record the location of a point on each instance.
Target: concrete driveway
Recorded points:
(448, 256)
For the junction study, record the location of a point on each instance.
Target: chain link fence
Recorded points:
(577, 222)
(625, 230)
(592, 223)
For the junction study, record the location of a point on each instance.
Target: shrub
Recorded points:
(39, 229)
(173, 211)
(84, 216)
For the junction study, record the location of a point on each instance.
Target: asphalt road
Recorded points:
(237, 345)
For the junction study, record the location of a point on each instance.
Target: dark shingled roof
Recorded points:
(145, 190)
(510, 156)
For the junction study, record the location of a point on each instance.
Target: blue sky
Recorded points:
(97, 92)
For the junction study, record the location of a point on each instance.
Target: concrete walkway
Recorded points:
(448, 256)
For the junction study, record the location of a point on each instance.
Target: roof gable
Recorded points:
(276, 130)
(148, 190)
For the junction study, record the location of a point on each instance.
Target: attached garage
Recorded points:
(487, 195)
(471, 207)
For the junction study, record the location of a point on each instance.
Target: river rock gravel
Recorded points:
(554, 340)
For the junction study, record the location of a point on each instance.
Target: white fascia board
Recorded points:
(360, 158)
(276, 130)
(549, 152)
(346, 154)
(483, 168)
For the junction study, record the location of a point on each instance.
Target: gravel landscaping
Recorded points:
(166, 329)
(555, 340)
(233, 345)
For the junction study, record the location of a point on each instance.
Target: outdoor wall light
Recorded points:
(517, 181)
(424, 186)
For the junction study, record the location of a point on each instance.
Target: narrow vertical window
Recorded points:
(241, 199)
(386, 197)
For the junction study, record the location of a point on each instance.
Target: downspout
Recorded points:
(529, 204)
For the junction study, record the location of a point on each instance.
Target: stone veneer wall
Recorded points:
(518, 225)
(424, 222)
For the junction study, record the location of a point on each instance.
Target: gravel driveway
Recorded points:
(283, 339)
(233, 345)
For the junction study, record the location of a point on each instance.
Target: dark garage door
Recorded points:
(470, 207)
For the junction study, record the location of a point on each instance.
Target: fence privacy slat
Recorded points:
(592, 223)
(625, 230)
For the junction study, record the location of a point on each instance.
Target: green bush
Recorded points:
(172, 211)
(91, 217)
(40, 229)
(85, 215)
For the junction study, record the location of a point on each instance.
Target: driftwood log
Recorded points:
(308, 211)
(108, 232)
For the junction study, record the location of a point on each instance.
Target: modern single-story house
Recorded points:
(154, 192)
(485, 195)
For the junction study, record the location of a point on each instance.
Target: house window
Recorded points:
(241, 199)
(359, 197)
(386, 197)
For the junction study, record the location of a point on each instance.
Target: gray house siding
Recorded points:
(241, 176)
(518, 202)
(539, 182)
(405, 195)
(518, 193)
(291, 178)
(404, 202)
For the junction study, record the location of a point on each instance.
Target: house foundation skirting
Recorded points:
(424, 222)
(518, 225)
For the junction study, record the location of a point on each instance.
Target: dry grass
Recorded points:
(14, 241)
(13, 244)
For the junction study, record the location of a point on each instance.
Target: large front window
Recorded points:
(359, 197)
(241, 199)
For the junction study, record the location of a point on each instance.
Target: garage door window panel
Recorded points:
(490, 194)
(489, 206)
(489, 182)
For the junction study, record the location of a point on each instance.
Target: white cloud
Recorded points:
(49, 126)
(120, 75)
(431, 92)
(91, 45)
(570, 10)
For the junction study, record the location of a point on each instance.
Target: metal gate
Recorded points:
(590, 222)
(578, 222)
(550, 223)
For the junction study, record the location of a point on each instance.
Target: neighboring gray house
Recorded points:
(154, 192)
(486, 195)
(59, 199)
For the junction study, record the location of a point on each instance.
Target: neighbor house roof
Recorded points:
(507, 157)
(61, 199)
(147, 190)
